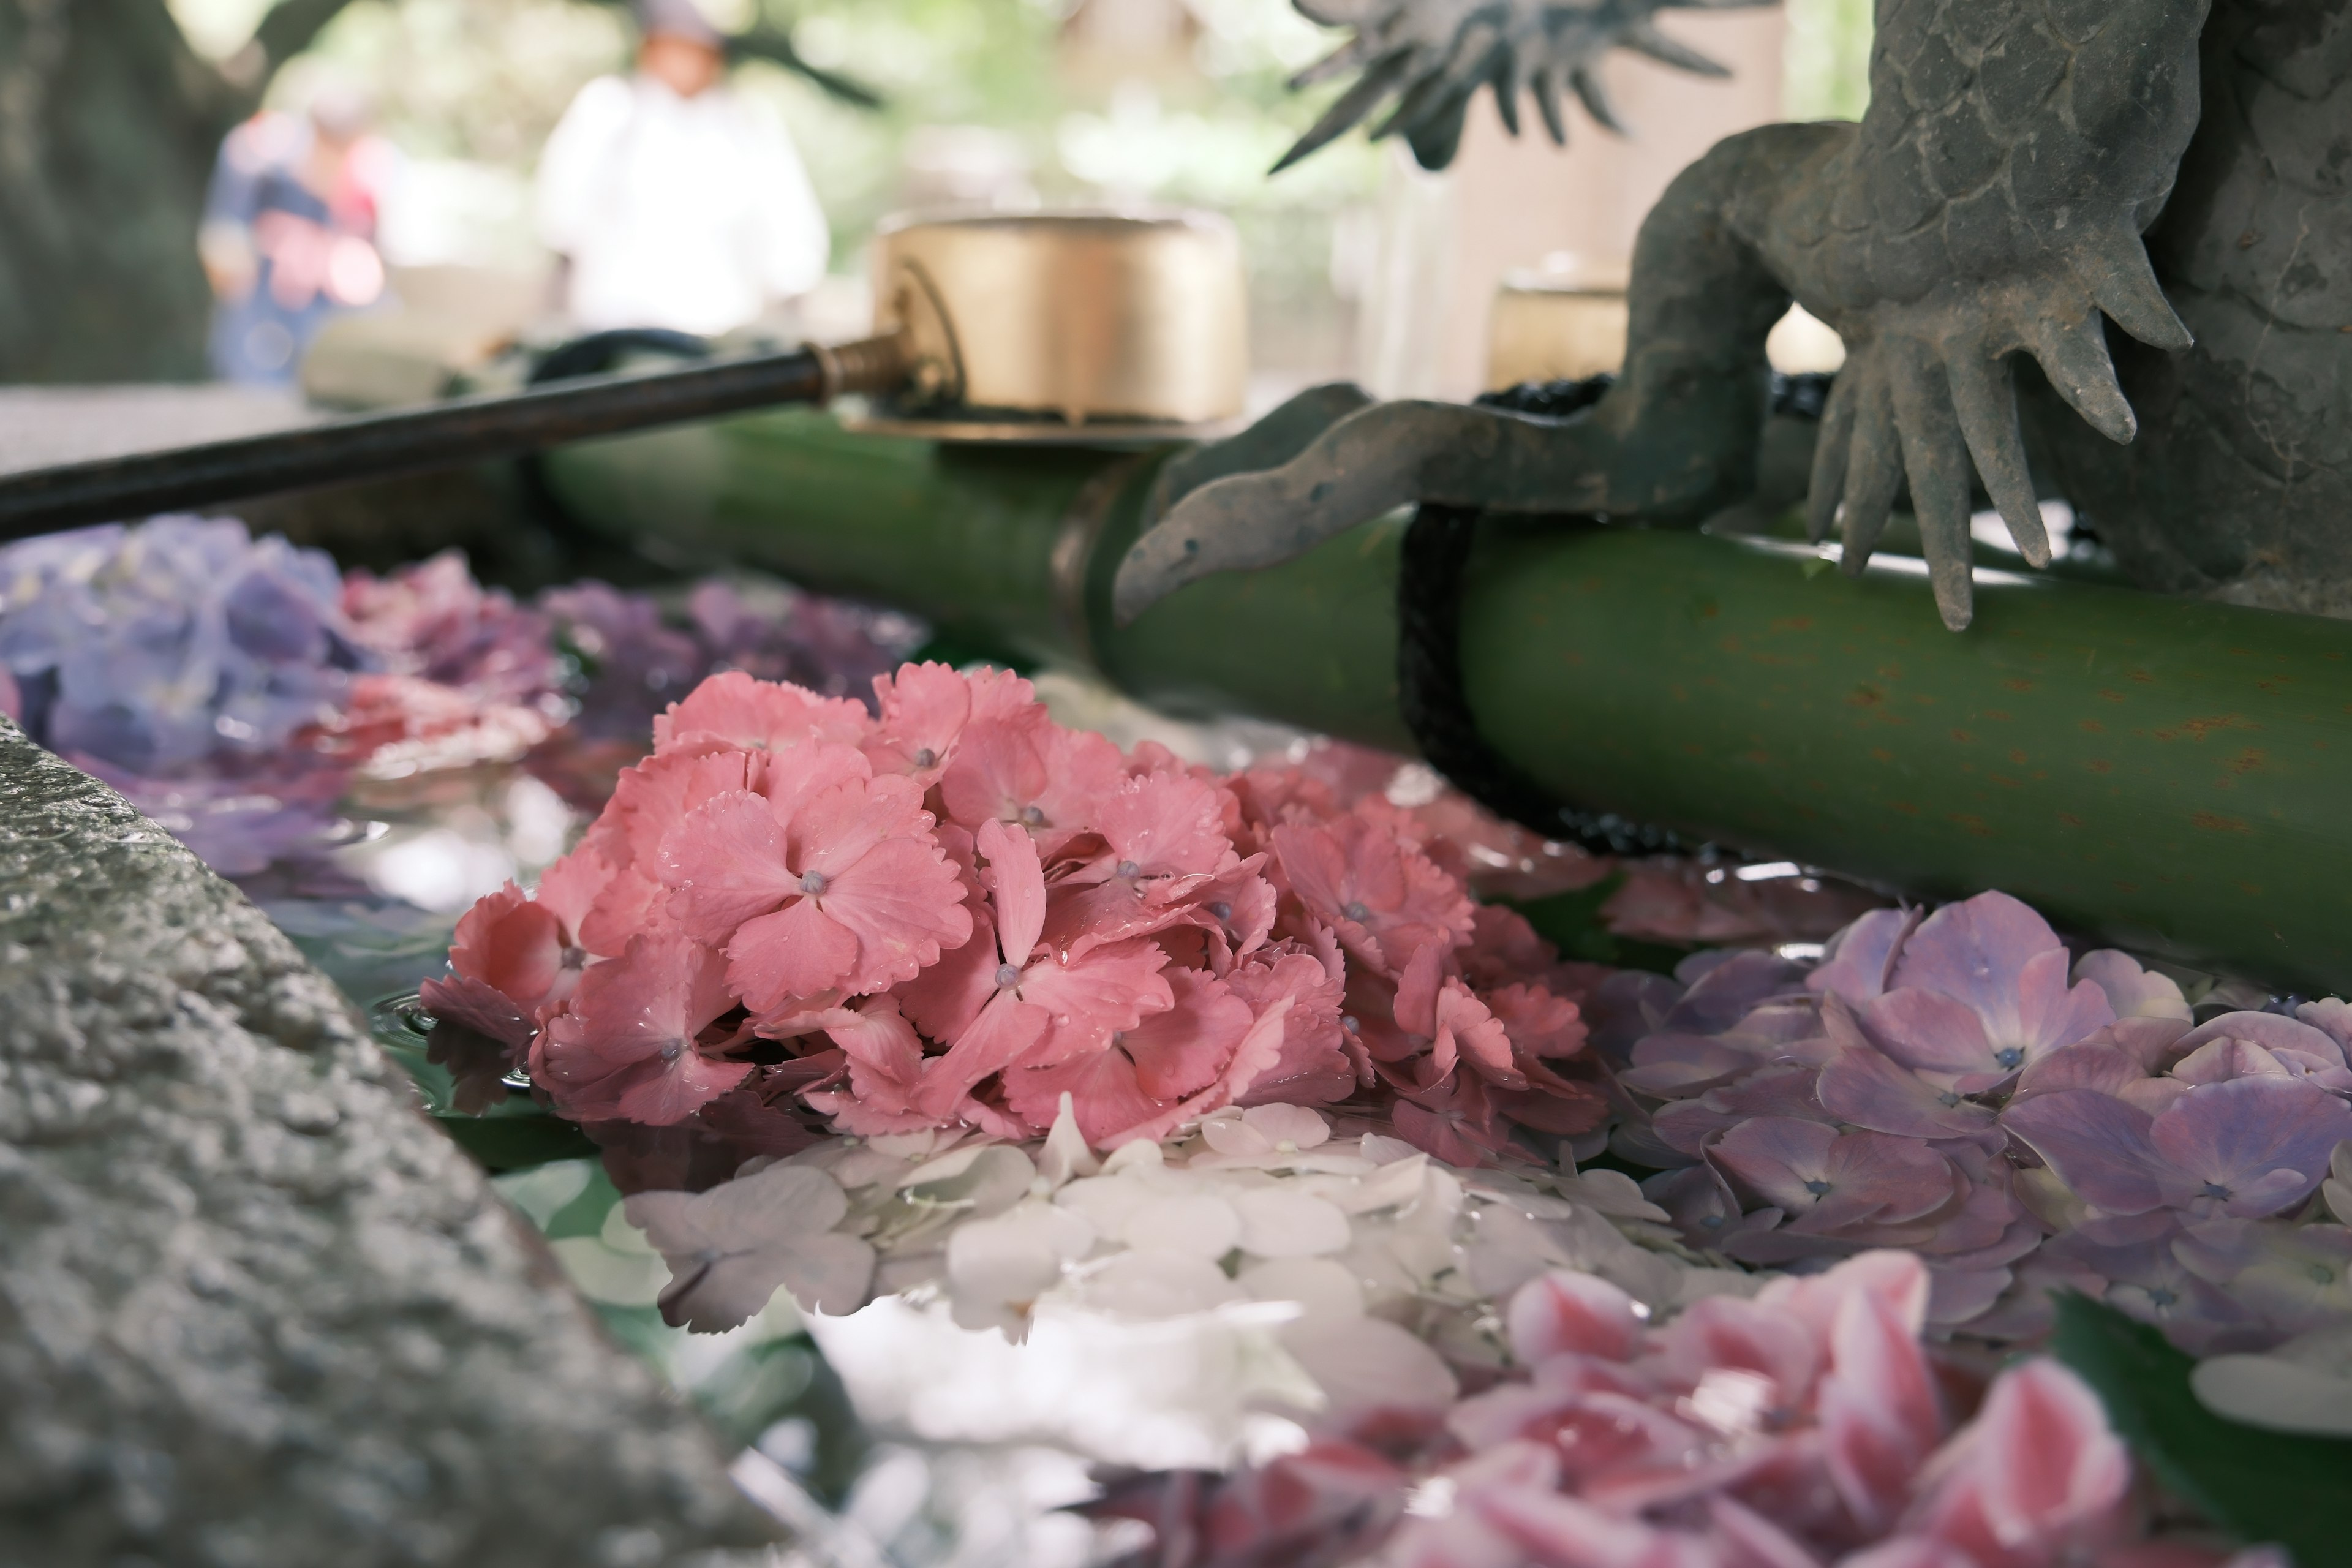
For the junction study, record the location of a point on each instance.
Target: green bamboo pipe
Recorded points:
(2166, 774)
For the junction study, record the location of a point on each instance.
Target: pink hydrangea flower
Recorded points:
(640, 1039)
(1385, 900)
(831, 882)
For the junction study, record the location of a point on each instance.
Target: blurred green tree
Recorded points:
(108, 123)
(110, 120)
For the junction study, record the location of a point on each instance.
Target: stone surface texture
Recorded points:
(254, 1310)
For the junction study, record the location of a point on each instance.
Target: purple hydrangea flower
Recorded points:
(178, 660)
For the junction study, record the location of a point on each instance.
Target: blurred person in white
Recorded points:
(289, 235)
(672, 200)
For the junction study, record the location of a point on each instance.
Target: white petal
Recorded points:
(1195, 1225)
(1364, 1362)
(616, 1279)
(988, 1178)
(1292, 1124)
(828, 1273)
(1228, 1133)
(1394, 1186)
(2274, 1392)
(1157, 1285)
(545, 1191)
(1321, 1288)
(1066, 1154)
(1016, 1257)
(1106, 1200)
(1280, 1223)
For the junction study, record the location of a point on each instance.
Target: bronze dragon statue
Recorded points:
(2095, 248)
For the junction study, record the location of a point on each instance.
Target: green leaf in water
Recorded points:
(2265, 1487)
(1573, 923)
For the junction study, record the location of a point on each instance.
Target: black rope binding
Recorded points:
(594, 354)
(1428, 640)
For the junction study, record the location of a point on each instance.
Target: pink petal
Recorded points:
(997, 772)
(1089, 998)
(568, 889)
(2038, 1465)
(798, 950)
(2099, 1146)
(2257, 1145)
(924, 707)
(1465, 1027)
(650, 798)
(510, 944)
(885, 1059)
(631, 905)
(1165, 824)
(660, 1097)
(1105, 1095)
(1562, 1313)
(1006, 1029)
(627, 1047)
(1020, 890)
(831, 828)
(1184, 1049)
(944, 999)
(1879, 1411)
(762, 714)
(903, 903)
(481, 1007)
(725, 859)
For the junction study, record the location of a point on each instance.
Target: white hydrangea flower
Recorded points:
(2304, 1385)
(1346, 1270)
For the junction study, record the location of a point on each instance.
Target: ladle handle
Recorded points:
(437, 435)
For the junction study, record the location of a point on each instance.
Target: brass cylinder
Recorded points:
(1085, 319)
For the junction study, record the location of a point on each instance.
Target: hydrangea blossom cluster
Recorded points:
(1394, 1261)
(954, 914)
(233, 688)
(1805, 1425)
(1956, 1085)
(185, 664)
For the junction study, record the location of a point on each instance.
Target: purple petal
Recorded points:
(1785, 1092)
(1781, 1158)
(1933, 1033)
(2098, 1145)
(2095, 1064)
(2226, 1142)
(1875, 1176)
(2301, 1049)
(1678, 1066)
(1859, 956)
(1977, 952)
(1728, 990)
(2050, 1015)
(1862, 1087)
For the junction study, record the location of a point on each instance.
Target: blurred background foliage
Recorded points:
(110, 111)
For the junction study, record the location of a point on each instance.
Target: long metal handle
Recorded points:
(438, 436)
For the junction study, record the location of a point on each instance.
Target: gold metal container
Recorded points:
(1561, 321)
(1064, 326)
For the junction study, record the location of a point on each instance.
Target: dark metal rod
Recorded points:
(437, 435)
